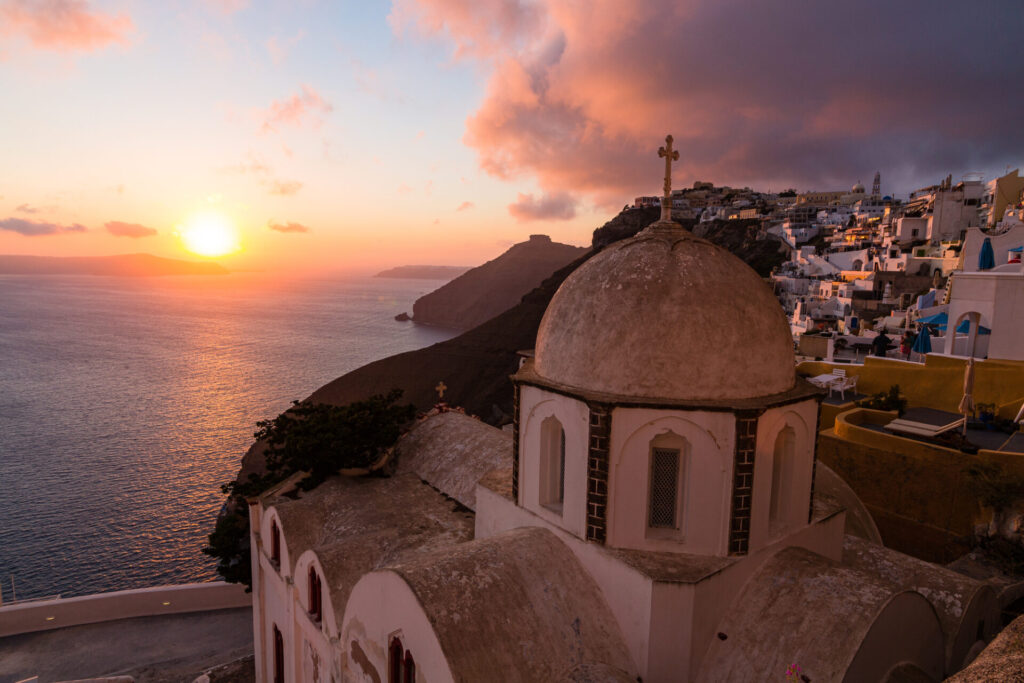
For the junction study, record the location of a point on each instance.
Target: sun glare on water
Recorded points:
(210, 234)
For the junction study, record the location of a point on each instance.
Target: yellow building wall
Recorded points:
(937, 383)
(919, 494)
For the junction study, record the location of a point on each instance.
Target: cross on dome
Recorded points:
(670, 155)
(440, 389)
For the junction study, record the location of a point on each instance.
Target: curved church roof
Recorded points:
(666, 315)
(521, 604)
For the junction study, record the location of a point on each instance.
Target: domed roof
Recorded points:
(858, 188)
(666, 315)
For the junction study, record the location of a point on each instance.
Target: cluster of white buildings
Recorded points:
(948, 258)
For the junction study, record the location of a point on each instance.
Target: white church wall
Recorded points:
(796, 489)
(381, 607)
(272, 599)
(316, 659)
(536, 405)
(627, 591)
(705, 487)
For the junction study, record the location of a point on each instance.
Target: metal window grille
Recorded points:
(561, 466)
(664, 487)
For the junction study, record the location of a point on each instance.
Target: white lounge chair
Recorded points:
(842, 383)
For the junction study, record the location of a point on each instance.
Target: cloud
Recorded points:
(228, 6)
(25, 208)
(278, 48)
(119, 229)
(63, 25)
(288, 227)
(580, 95)
(296, 110)
(404, 189)
(37, 228)
(465, 206)
(284, 188)
(551, 207)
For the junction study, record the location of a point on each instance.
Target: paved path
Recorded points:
(152, 649)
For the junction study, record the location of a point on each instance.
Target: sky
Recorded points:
(349, 136)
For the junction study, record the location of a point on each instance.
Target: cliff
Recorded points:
(476, 365)
(483, 292)
(124, 265)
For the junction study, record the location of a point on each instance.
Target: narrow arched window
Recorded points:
(275, 543)
(278, 656)
(315, 595)
(396, 660)
(409, 668)
(552, 464)
(782, 475)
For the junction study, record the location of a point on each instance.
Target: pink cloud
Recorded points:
(296, 110)
(278, 48)
(63, 25)
(465, 206)
(119, 229)
(554, 207)
(288, 227)
(284, 188)
(580, 95)
(37, 228)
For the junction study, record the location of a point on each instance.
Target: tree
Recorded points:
(317, 439)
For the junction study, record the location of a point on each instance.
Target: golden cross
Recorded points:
(670, 156)
(440, 389)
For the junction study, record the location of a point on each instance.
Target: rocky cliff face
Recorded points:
(483, 292)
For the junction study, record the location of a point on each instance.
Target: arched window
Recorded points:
(401, 665)
(552, 464)
(315, 596)
(783, 470)
(275, 543)
(666, 473)
(278, 656)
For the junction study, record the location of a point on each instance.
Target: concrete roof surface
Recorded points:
(518, 603)
(176, 647)
(1002, 660)
(452, 451)
(624, 320)
(358, 524)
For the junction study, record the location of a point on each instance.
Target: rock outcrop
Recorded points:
(483, 292)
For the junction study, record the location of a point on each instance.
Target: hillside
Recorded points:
(483, 292)
(424, 272)
(476, 365)
(124, 265)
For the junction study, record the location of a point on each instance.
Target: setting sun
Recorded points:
(210, 234)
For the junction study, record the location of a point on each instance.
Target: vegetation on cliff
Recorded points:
(317, 439)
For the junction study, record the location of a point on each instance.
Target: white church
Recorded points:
(656, 514)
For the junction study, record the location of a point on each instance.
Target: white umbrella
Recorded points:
(967, 402)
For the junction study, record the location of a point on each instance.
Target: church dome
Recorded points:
(858, 188)
(666, 315)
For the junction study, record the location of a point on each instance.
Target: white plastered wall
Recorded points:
(380, 607)
(707, 480)
(316, 660)
(535, 405)
(272, 601)
(801, 418)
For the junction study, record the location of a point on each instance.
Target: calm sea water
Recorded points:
(125, 403)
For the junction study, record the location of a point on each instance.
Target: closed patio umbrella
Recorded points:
(923, 343)
(986, 257)
(967, 402)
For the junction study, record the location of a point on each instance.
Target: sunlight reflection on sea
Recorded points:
(125, 403)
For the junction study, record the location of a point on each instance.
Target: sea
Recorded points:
(125, 403)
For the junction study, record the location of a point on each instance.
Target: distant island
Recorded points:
(424, 272)
(123, 265)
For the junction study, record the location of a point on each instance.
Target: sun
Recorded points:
(210, 234)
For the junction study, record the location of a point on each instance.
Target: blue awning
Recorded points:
(937, 319)
(965, 327)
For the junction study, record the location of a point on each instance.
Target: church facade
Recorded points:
(656, 514)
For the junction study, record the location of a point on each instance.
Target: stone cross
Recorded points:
(670, 156)
(440, 389)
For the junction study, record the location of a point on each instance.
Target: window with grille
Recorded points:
(664, 501)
